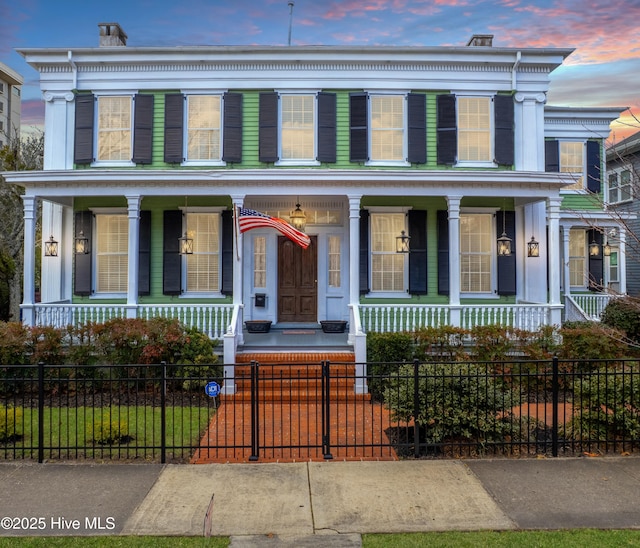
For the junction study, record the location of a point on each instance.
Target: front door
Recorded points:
(297, 281)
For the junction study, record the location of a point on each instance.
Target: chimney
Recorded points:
(481, 40)
(111, 34)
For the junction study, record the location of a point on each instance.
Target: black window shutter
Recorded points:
(364, 251)
(144, 254)
(358, 121)
(418, 252)
(227, 252)
(232, 132)
(327, 127)
(268, 127)
(446, 129)
(596, 270)
(173, 128)
(172, 261)
(83, 142)
(443, 252)
(417, 135)
(552, 156)
(594, 175)
(507, 263)
(504, 132)
(83, 262)
(143, 129)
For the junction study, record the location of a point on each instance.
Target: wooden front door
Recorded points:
(297, 281)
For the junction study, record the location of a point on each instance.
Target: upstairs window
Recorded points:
(298, 127)
(114, 131)
(579, 159)
(204, 128)
(474, 129)
(572, 161)
(620, 187)
(388, 123)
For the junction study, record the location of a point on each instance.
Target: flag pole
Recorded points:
(235, 231)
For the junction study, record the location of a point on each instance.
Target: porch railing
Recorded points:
(590, 305)
(529, 317)
(61, 315)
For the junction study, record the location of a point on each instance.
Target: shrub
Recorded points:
(445, 343)
(384, 351)
(10, 419)
(491, 342)
(591, 341)
(455, 401)
(623, 314)
(13, 343)
(538, 345)
(108, 430)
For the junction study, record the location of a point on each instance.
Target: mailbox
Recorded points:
(261, 300)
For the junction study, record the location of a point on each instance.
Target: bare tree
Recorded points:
(17, 155)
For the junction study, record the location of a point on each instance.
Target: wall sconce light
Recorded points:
(594, 248)
(186, 243)
(533, 248)
(81, 242)
(298, 218)
(51, 247)
(606, 250)
(402, 242)
(504, 242)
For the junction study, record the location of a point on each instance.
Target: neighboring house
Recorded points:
(10, 90)
(623, 177)
(451, 146)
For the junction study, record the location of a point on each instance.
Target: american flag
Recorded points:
(249, 218)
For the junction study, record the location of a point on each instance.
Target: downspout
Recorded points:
(75, 69)
(513, 70)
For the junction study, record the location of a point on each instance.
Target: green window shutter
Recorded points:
(447, 132)
(507, 264)
(594, 170)
(144, 254)
(83, 129)
(327, 127)
(417, 134)
(173, 128)
(232, 133)
(143, 129)
(227, 252)
(443, 252)
(172, 261)
(364, 251)
(418, 252)
(504, 131)
(268, 127)
(82, 266)
(552, 156)
(358, 131)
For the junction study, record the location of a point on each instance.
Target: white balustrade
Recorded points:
(592, 305)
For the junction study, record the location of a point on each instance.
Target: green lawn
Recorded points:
(124, 432)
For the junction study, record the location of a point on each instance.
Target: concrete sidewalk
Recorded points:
(318, 504)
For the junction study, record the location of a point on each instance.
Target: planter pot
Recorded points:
(258, 326)
(333, 326)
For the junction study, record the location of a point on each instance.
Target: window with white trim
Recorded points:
(114, 128)
(475, 143)
(334, 242)
(620, 187)
(203, 265)
(477, 243)
(204, 128)
(297, 127)
(259, 261)
(112, 253)
(614, 269)
(388, 128)
(388, 268)
(578, 258)
(572, 160)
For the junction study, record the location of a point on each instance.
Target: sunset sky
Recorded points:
(603, 71)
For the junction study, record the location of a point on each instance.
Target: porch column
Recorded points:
(553, 222)
(133, 213)
(354, 249)
(59, 117)
(622, 261)
(565, 272)
(28, 315)
(454, 264)
(238, 202)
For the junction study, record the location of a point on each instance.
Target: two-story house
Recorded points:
(435, 184)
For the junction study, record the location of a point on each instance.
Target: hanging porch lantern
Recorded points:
(51, 247)
(533, 248)
(81, 244)
(298, 218)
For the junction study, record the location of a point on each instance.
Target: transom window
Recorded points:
(387, 128)
(620, 188)
(477, 241)
(577, 257)
(112, 259)
(203, 265)
(474, 129)
(572, 161)
(204, 127)
(114, 128)
(387, 267)
(298, 128)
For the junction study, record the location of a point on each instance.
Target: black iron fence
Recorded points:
(285, 412)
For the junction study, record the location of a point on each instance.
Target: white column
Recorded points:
(535, 268)
(29, 203)
(354, 248)
(58, 144)
(238, 202)
(133, 212)
(622, 261)
(454, 253)
(529, 131)
(553, 221)
(565, 272)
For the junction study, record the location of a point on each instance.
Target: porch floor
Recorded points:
(295, 338)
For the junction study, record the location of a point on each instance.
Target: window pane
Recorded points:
(572, 161)
(474, 129)
(334, 261)
(476, 252)
(387, 266)
(112, 260)
(114, 128)
(259, 261)
(298, 127)
(387, 127)
(203, 122)
(204, 264)
(577, 257)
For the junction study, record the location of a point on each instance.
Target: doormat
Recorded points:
(299, 332)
